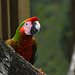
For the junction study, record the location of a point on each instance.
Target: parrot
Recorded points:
(23, 41)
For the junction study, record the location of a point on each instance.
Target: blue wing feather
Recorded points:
(35, 56)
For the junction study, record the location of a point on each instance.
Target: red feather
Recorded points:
(24, 47)
(32, 19)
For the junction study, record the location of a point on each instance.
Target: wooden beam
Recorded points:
(8, 12)
(23, 9)
(4, 19)
(0, 21)
(13, 16)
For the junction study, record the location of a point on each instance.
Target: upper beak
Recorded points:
(35, 27)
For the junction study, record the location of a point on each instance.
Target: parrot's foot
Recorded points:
(39, 70)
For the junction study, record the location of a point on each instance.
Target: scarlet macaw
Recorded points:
(23, 41)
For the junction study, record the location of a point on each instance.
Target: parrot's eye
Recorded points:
(26, 23)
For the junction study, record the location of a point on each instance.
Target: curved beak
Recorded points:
(35, 27)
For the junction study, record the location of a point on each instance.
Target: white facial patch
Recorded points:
(27, 26)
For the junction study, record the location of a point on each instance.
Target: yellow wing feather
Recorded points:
(11, 42)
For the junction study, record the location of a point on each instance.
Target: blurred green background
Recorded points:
(55, 20)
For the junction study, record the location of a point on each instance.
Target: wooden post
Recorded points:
(8, 12)
(4, 27)
(0, 21)
(13, 16)
(23, 10)
(4, 19)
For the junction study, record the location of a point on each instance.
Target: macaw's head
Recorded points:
(30, 26)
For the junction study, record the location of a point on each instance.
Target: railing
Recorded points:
(12, 13)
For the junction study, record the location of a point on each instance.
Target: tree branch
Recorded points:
(11, 63)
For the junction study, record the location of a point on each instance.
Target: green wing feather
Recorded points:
(16, 37)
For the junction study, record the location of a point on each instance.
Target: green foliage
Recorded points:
(54, 17)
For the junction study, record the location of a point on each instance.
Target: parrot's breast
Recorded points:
(24, 47)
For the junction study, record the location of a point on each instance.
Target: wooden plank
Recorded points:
(23, 9)
(4, 19)
(0, 21)
(13, 16)
(8, 12)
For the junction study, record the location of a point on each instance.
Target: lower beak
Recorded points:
(35, 27)
(33, 30)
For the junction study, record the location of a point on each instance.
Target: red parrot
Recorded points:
(23, 41)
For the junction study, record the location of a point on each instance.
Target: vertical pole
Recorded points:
(13, 16)
(0, 21)
(4, 19)
(23, 10)
(8, 12)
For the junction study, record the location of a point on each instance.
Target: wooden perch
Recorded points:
(11, 63)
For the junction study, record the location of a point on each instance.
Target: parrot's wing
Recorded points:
(11, 42)
(34, 51)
